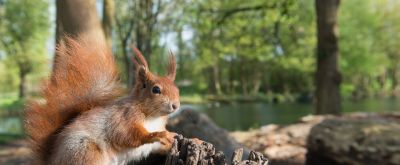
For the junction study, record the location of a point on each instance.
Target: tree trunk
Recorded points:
(256, 83)
(78, 18)
(143, 39)
(382, 81)
(244, 83)
(108, 20)
(395, 81)
(124, 25)
(193, 152)
(129, 69)
(192, 124)
(216, 77)
(328, 77)
(215, 149)
(147, 17)
(22, 84)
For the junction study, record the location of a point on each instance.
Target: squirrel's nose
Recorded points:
(174, 106)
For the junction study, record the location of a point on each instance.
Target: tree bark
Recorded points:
(192, 152)
(124, 25)
(147, 13)
(256, 83)
(328, 77)
(108, 20)
(22, 84)
(78, 18)
(195, 152)
(192, 124)
(395, 81)
(217, 84)
(217, 145)
(129, 68)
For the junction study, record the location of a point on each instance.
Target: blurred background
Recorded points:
(248, 65)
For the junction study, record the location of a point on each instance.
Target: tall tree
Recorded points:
(78, 18)
(24, 36)
(108, 20)
(147, 13)
(136, 22)
(328, 77)
(125, 23)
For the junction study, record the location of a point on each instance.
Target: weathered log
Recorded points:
(195, 152)
(188, 151)
(192, 124)
(192, 152)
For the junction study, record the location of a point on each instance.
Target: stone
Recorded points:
(356, 140)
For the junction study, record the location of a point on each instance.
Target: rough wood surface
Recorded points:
(219, 146)
(192, 124)
(194, 152)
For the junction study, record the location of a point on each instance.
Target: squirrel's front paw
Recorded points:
(162, 137)
(166, 140)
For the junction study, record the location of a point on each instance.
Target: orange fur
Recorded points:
(84, 87)
(83, 78)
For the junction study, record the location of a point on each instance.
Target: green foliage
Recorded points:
(24, 30)
(268, 46)
(369, 35)
(257, 49)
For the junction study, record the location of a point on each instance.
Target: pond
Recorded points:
(10, 125)
(242, 116)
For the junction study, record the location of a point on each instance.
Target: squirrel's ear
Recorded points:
(171, 66)
(143, 74)
(140, 58)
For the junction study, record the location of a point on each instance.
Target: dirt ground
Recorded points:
(273, 140)
(14, 153)
(283, 145)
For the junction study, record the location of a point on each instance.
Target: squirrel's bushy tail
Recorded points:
(84, 76)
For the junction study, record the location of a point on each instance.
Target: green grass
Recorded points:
(10, 104)
(6, 98)
(4, 138)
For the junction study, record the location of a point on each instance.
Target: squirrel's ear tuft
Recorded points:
(140, 58)
(171, 66)
(142, 74)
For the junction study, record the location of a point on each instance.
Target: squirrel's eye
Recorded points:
(156, 90)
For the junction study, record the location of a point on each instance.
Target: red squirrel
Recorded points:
(83, 119)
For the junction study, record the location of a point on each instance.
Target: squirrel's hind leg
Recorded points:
(80, 151)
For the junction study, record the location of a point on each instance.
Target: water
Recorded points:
(10, 125)
(242, 116)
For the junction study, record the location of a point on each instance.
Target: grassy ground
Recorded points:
(5, 138)
(10, 104)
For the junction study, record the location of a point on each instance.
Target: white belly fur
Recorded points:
(152, 125)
